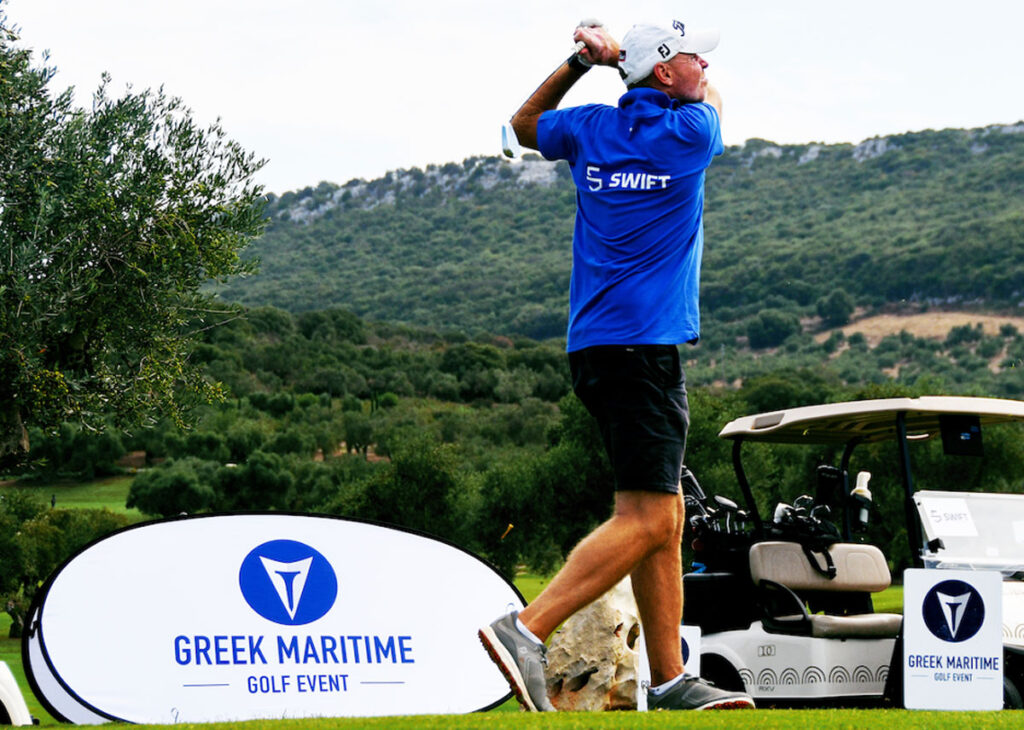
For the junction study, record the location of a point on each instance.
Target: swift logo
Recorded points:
(953, 611)
(288, 582)
(635, 180)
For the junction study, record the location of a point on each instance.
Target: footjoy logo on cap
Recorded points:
(288, 582)
(953, 611)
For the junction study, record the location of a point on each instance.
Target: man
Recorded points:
(639, 173)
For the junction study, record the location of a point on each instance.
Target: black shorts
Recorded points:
(637, 393)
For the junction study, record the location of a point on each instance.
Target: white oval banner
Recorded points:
(237, 617)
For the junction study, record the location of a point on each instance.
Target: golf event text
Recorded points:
(279, 683)
(957, 663)
(235, 650)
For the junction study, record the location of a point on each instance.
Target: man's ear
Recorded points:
(662, 72)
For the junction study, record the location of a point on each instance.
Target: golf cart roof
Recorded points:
(868, 420)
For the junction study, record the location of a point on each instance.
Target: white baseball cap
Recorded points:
(646, 45)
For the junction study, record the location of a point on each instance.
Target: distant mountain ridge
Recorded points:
(923, 218)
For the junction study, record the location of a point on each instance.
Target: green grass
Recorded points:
(109, 493)
(530, 585)
(741, 720)
(889, 601)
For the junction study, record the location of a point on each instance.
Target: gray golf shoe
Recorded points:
(521, 660)
(693, 693)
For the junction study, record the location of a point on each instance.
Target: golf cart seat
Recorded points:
(781, 570)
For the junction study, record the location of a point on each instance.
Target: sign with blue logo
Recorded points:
(237, 617)
(953, 611)
(953, 640)
(288, 582)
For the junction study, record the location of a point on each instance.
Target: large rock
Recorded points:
(592, 660)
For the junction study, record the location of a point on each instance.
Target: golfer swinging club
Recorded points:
(637, 244)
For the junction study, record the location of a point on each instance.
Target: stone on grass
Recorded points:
(592, 660)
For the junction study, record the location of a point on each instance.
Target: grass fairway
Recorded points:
(109, 493)
(739, 720)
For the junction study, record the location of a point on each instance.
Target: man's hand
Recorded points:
(601, 49)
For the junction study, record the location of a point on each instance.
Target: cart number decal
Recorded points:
(950, 518)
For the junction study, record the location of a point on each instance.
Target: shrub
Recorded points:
(836, 308)
(771, 327)
(182, 485)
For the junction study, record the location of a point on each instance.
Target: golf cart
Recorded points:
(784, 602)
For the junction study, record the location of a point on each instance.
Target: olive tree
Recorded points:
(111, 218)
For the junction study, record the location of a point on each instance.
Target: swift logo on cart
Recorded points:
(288, 582)
(953, 611)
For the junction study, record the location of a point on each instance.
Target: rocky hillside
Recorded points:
(925, 219)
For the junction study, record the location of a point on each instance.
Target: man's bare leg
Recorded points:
(641, 539)
(658, 589)
(644, 524)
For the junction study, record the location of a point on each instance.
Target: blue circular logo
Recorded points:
(953, 611)
(288, 582)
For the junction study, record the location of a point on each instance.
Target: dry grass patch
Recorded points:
(931, 325)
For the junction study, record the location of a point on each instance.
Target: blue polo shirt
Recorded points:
(639, 235)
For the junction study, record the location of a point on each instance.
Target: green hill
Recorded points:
(925, 219)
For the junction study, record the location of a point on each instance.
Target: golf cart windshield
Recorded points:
(958, 420)
(978, 531)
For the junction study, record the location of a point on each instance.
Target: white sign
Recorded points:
(949, 517)
(952, 640)
(237, 617)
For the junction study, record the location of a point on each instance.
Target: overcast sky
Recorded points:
(340, 89)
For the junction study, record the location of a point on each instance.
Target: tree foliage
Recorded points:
(35, 540)
(111, 218)
(469, 465)
(836, 308)
(771, 327)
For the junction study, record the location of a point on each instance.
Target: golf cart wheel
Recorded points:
(1011, 695)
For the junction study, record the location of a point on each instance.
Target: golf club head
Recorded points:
(804, 501)
(725, 504)
(509, 142)
(691, 488)
(783, 512)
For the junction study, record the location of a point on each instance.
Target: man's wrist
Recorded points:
(578, 64)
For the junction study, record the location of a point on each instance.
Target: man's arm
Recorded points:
(600, 49)
(546, 97)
